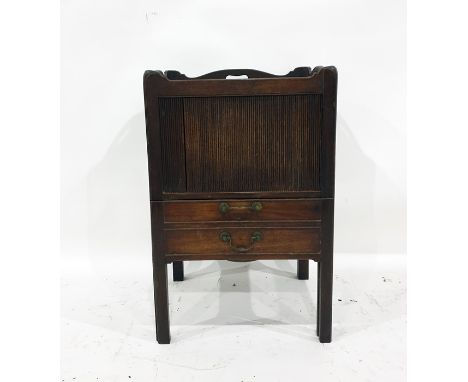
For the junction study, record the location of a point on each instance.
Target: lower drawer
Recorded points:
(242, 241)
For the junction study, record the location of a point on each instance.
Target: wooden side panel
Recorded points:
(171, 116)
(241, 210)
(253, 144)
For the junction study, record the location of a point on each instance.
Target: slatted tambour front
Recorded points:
(241, 144)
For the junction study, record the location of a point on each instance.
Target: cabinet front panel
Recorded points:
(241, 144)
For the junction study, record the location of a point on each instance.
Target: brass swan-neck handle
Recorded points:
(226, 237)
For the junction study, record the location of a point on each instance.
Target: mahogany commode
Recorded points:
(242, 170)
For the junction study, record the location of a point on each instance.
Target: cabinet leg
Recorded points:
(318, 298)
(326, 273)
(178, 270)
(325, 303)
(303, 269)
(161, 304)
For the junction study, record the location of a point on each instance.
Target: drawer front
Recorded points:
(242, 210)
(242, 241)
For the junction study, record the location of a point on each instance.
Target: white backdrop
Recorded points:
(107, 45)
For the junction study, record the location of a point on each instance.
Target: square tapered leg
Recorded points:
(325, 303)
(161, 302)
(303, 269)
(326, 273)
(178, 271)
(318, 298)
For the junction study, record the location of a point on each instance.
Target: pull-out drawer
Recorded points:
(242, 210)
(242, 242)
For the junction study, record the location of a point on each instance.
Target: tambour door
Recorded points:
(240, 143)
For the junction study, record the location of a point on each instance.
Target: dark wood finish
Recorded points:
(162, 86)
(326, 273)
(278, 149)
(249, 73)
(327, 181)
(249, 144)
(240, 195)
(327, 170)
(303, 269)
(161, 304)
(178, 270)
(244, 257)
(274, 241)
(318, 299)
(246, 224)
(266, 139)
(272, 210)
(153, 139)
(171, 111)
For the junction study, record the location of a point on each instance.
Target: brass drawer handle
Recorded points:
(224, 207)
(226, 238)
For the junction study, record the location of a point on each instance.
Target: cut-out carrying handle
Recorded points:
(236, 74)
(302, 71)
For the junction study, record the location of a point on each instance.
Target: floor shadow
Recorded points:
(240, 298)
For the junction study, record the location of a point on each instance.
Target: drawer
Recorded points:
(242, 241)
(242, 210)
